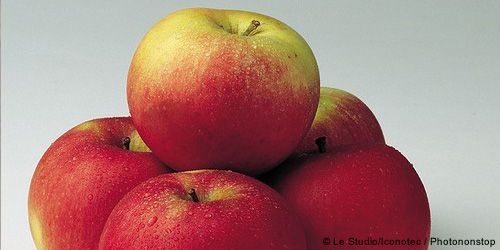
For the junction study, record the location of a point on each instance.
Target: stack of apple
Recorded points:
(218, 99)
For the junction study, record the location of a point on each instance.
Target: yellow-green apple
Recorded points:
(342, 119)
(364, 193)
(202, 209)
(222, 89)
(79, 180)
(137, 144)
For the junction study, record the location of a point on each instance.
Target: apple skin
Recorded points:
(344, 120)
(79, 180)
(137, 144)
(356, 192)
(199, 91)
(234, 212)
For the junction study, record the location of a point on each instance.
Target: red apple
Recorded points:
(343, 119)
(363, 192)
(222, 89)
(80, 179)
(202, 209)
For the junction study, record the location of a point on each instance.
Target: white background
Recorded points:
(429, 70)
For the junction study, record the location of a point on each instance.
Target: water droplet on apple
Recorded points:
(152, 221)
(208, 215)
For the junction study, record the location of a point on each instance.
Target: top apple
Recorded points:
(222, 89)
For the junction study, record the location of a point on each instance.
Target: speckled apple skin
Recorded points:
(79, 180)
(204, 96)
(356, 192)
(344, 120)
(235, 212)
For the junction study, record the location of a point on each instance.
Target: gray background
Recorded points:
(429, 70)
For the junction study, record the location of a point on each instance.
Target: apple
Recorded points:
(223, 89)
(358, 193)
(202, 209)
(137, 144)
(342, 119)
(79, 180)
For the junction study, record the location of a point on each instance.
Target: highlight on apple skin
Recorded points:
(360, 192)
(222, 89)
(202, 209)
(342, 119)
(79, 180)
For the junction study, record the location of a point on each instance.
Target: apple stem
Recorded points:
(321, 143)
(126, 143)
(253, 25)
(193, 195)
